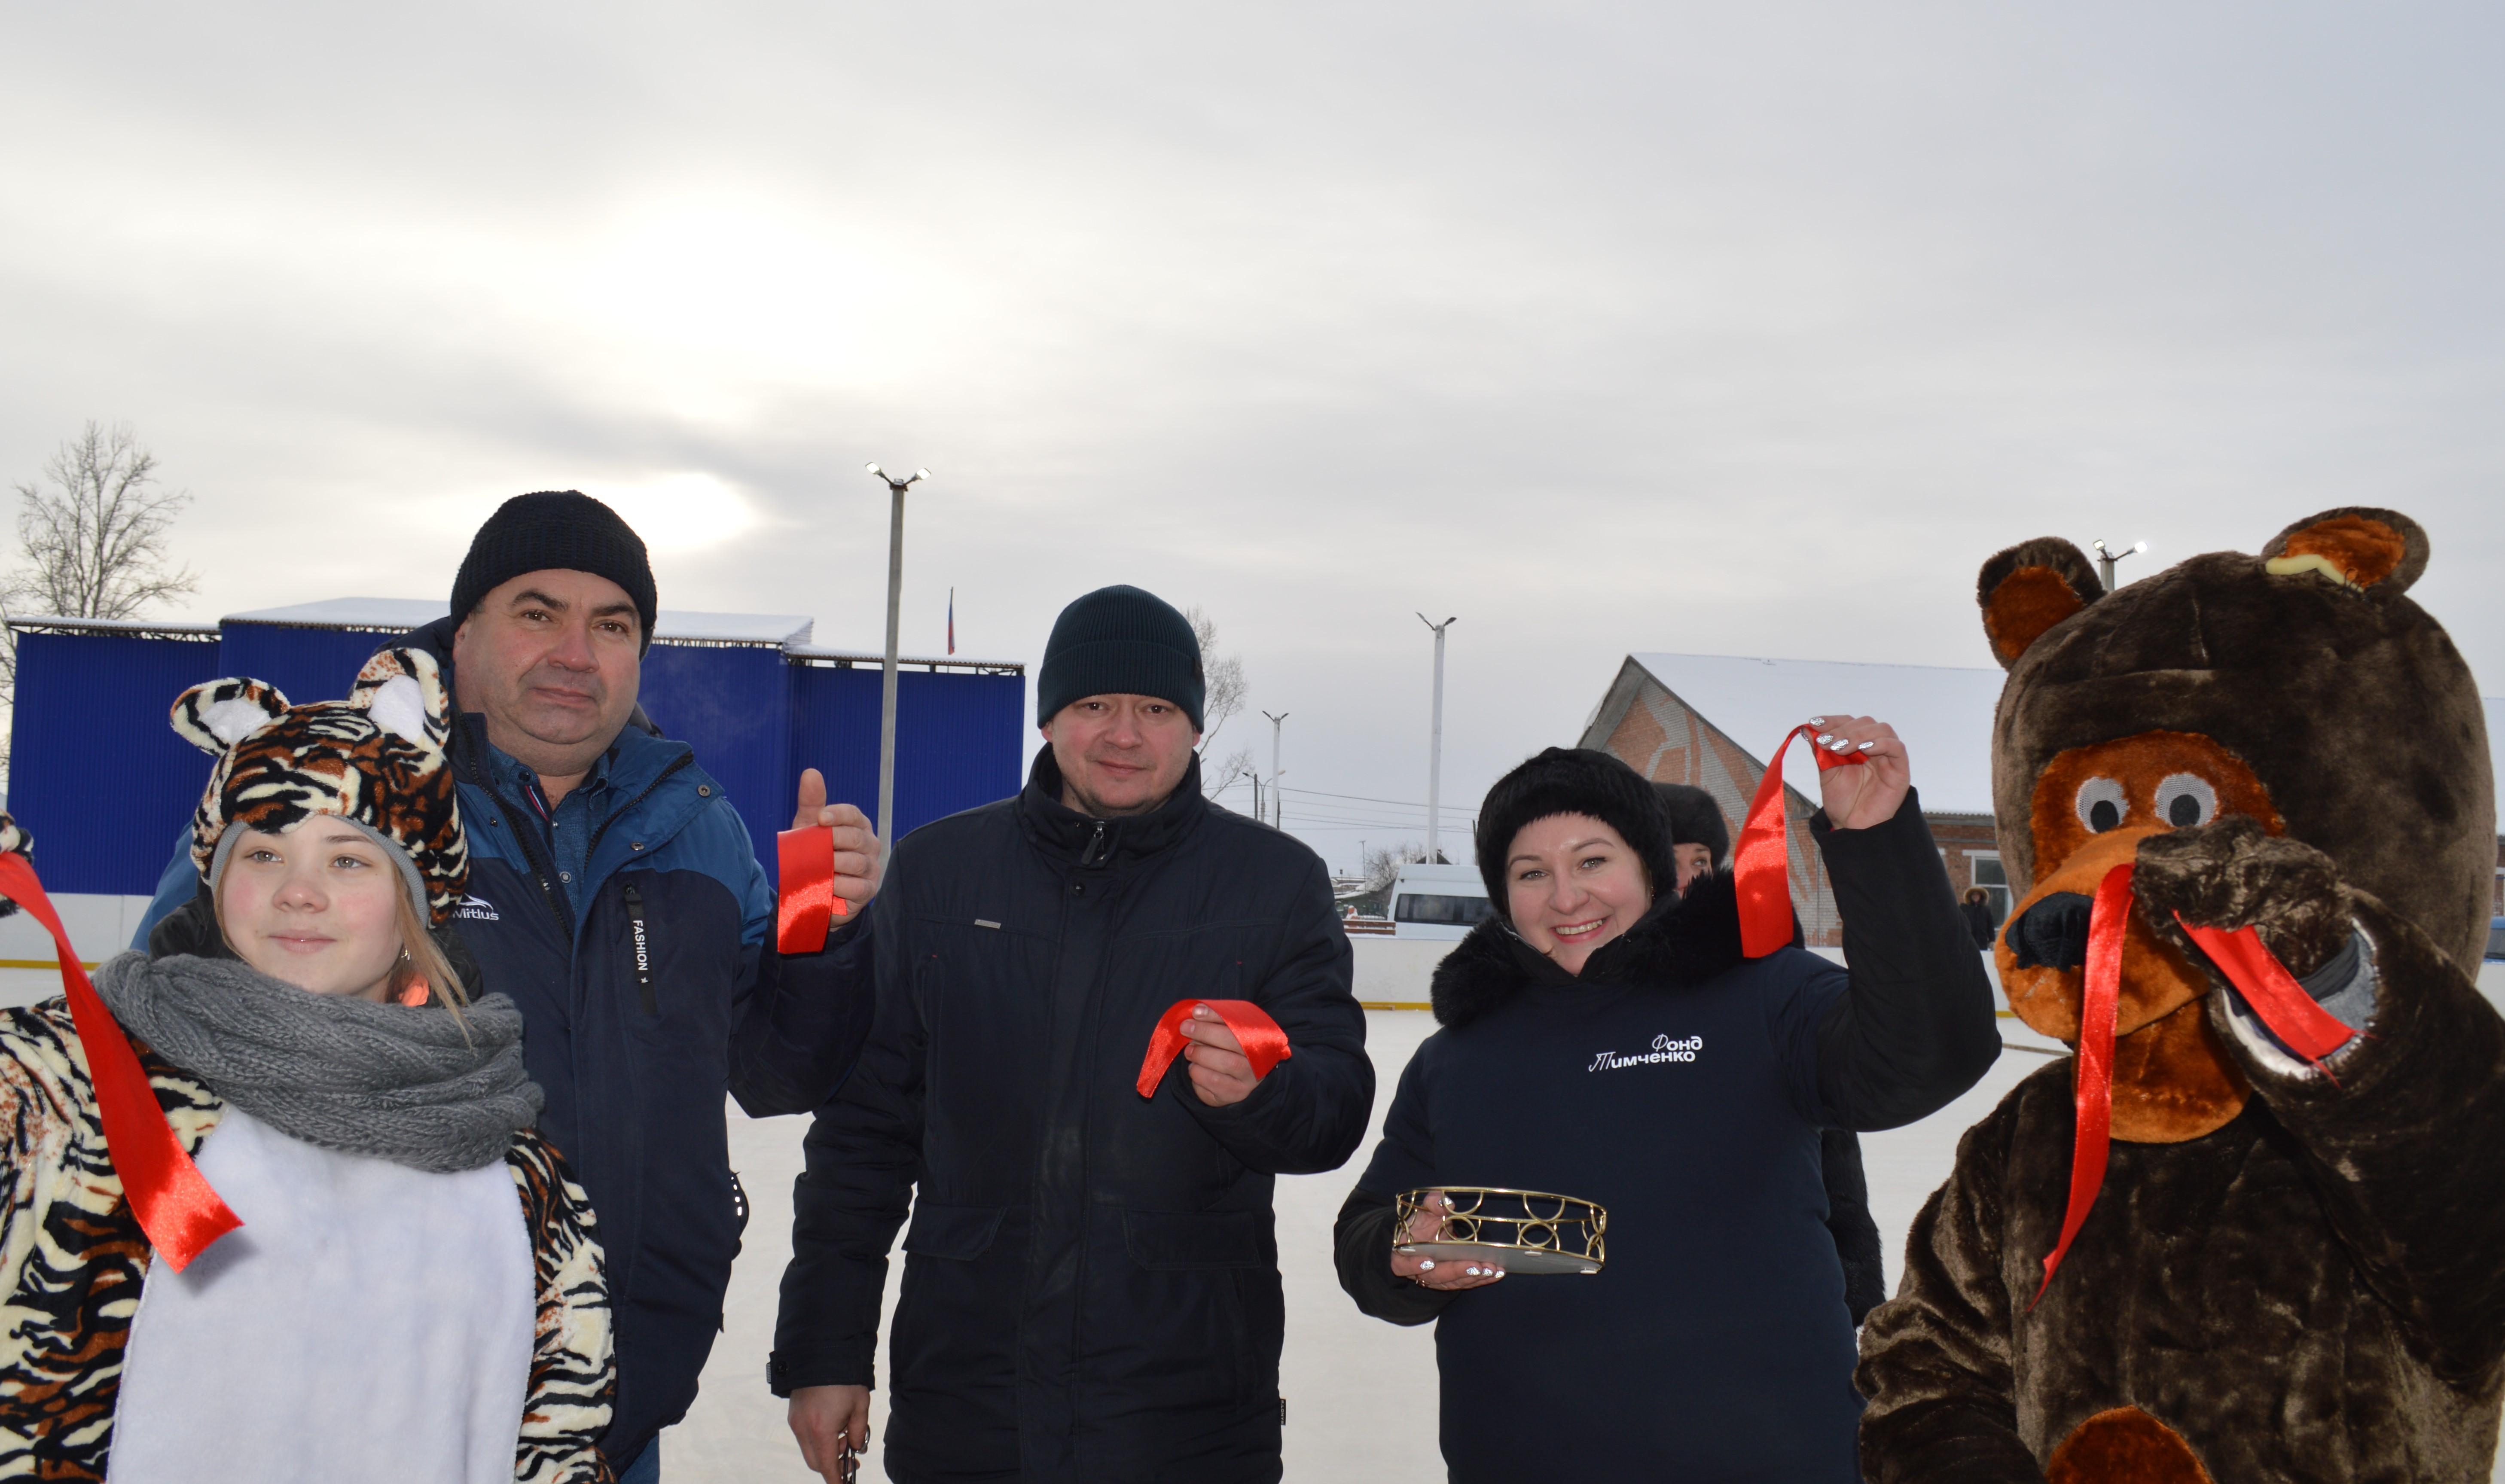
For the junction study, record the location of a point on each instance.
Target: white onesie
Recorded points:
(369, 1321)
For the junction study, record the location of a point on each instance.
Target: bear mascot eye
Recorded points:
(2186, 800)
(2101, 804)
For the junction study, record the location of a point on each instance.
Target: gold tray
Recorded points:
(1522, 1231)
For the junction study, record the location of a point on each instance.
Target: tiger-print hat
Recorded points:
(376, 760)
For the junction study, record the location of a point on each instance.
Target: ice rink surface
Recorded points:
(1361, 1393)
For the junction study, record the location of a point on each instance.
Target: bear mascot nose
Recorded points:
(2053, 933)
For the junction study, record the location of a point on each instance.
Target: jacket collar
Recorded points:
(1072, 838)
(1680, 943)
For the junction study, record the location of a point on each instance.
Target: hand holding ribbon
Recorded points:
(1761, 863)
(829, 863)
(1230, 1044)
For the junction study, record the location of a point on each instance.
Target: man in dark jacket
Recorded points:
(1091, 1285)
(1700, 845)
(616, 896)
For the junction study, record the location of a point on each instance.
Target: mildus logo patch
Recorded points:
(1664, 1050)
(477, 909)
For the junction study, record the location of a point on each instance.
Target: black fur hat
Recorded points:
(1695, 819)
(1574, 779)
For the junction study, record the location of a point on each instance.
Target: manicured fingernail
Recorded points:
(1427, 1266)
(1825, 737)
(1866, 745)
(1817, 721)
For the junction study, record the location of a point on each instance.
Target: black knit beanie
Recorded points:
(1574, 779)
(1120, 641)
(1695, 819)
(555, 528)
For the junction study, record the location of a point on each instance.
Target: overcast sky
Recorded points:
(1606, 327)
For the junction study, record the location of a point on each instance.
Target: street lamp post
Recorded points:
(2108, 561)
(1277, 814)
(1435, 750)
(886, 681)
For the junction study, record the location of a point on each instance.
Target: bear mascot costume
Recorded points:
(2254, 1229)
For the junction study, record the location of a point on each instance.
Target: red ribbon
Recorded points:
(807, 902)
(2092, 1074)
(1265, 1045)
(2292, 1015)
(172, 1200)
(2274, 994)
(1761, 865)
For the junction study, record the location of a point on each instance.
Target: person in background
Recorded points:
(1700, 845)
(1603, 1038)
(614, 893)
(416, 1292)
(1979, 917)
(1091, 1282)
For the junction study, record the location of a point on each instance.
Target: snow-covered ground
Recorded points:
(1361, 1393)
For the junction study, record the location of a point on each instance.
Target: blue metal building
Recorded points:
(106, 787)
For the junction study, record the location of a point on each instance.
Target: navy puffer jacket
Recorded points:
(1091, 1282)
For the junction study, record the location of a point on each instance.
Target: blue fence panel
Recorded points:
(732, 703)
(95, 771)
(958, 739)
(305, 665)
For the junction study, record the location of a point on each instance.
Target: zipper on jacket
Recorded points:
(641, 944)
(1095, 850)
(676, 764)
(558, 907)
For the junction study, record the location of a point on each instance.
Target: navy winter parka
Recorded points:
(1091, 1282)
(635, 1059)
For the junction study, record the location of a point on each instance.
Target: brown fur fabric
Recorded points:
(2286, 1275)
(2028, 588)
(2124, 1446)
(2354, 707)
(2374, 547)
(2310, 1293)
(2232, 875)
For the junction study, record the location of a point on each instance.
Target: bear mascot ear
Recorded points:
(2357, 546)
(2028, 588)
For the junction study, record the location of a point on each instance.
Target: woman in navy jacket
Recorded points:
(1716, 1344)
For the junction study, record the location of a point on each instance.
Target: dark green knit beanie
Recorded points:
(1120, 641)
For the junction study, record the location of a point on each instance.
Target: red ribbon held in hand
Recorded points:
(169, 1194)
(1265, 1045)
(807, 902)
(2292, 1015)
(1761, 865)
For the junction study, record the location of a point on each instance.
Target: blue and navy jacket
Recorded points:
(649, 986)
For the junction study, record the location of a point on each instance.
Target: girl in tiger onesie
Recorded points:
(275, 1210)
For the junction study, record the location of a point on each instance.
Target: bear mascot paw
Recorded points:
(2254, 1230)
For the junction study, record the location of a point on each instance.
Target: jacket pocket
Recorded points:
(959, 1233)
(1194, 1241)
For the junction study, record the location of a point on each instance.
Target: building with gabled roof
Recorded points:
(1712, 719)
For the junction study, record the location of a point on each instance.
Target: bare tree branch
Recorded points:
(1223, 697)
(93, 543)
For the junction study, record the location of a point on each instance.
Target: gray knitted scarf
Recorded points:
(394, 1082)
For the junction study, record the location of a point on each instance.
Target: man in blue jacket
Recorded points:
(616, 896)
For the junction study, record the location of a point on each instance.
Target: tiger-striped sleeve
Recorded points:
(73, 1259)
(573, 1376)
